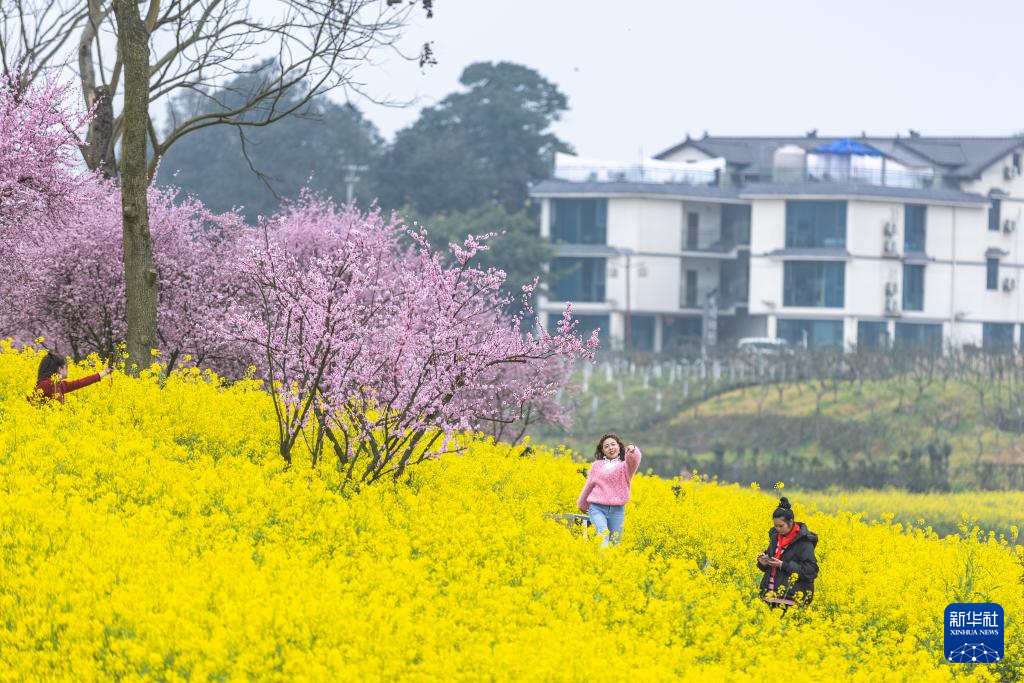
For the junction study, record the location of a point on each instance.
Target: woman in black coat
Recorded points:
(790, 551)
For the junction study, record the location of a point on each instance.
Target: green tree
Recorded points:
(483, 145)
(258, 167)
(518, 249)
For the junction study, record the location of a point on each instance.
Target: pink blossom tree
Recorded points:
(383, 350)
(42, 181)
(66, 283)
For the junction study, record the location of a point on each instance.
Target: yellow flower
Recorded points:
(152, 532)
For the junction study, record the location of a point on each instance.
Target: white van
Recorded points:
(762, 346)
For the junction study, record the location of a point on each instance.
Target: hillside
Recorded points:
(150, 531)
(915, 430)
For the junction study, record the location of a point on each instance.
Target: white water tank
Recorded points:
(789, 164)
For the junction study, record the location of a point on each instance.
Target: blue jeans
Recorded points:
(608, 518)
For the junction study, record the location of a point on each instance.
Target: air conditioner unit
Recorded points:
(890, 247)
(1009, 284)
(891, 288)
(892, 306)
(889, 229)
(1010, 172)
(1009, 225)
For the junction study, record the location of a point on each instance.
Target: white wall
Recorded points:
(958, 233)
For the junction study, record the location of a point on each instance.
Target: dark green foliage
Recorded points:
(312, 148)
(519, 251)
(485, 144)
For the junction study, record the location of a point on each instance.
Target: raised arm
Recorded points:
(581, 502)
(66, 386)
(633, 457)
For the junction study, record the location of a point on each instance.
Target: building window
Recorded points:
(579, 221)
(814, 334)
(913, 288)
(992, 273)
(815, 224)
(736, 223)
(997, 336)
(813, 283)
(913, 227)
(688, 294)
(641, 332)
(586, 325)
(993, 215)
(692, 238)
(578, 279)
(678, 331)
(927, 336)
(872, 335)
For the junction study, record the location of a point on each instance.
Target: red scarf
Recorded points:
(781, 545)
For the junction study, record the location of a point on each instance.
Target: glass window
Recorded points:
(736, 223)
(872, 335)
(992, 273)
(913, 288)
(815, 334)
(578, 279)
(815, 224)
(997, 336)
(579, 221)
(641, 330)
(813, 283)
(587, 324)
(993, 215)
(914, 227)
(925, 335)
(679, 331)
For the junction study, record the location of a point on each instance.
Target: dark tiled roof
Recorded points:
(957, 157)
(554, 187)
(934, 195)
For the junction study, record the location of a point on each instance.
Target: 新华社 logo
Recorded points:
(974, 633)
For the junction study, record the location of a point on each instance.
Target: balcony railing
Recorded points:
(641, 173)
(856, 176)
(636, 173)
(727, 298)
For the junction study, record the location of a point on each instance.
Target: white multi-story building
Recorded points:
(823, 241)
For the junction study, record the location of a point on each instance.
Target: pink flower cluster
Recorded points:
(383, 347)
(373, 346)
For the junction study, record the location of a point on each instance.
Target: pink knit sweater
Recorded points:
(608, 481)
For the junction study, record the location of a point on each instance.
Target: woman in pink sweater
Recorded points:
(606, 492)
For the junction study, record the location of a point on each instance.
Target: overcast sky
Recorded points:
(641, 74)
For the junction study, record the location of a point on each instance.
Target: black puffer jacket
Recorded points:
(797, 558)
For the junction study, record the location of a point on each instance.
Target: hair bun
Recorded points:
(784, 503)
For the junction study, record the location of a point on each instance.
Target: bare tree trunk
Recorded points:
(139, 268)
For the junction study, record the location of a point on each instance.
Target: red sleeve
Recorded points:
(65, 386)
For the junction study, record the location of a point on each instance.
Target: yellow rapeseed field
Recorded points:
(150, 532)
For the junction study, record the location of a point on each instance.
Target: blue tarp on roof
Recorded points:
(848, 146)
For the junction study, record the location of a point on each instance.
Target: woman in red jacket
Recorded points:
(52, 378)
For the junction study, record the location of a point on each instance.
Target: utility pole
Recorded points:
(352, 172)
